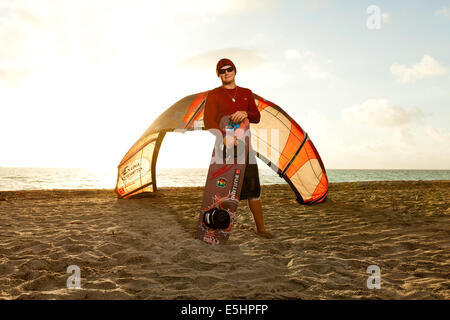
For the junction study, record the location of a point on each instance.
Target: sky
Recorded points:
(81, 80)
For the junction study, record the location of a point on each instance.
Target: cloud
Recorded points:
(309, 64)
(444, 11)
(239, 6)
(380, 113)
(208, 8)
(405, 135)
(242, 58)
(318, 126)
(427, 67)
(50, 38)
(293, 54)
(13, 76)
(437, 134)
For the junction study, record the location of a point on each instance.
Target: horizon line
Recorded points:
(259, 167)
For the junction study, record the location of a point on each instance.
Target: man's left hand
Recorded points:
(239, 116)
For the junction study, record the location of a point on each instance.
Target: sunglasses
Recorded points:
(222, 71)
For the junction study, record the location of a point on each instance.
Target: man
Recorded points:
(239, 103)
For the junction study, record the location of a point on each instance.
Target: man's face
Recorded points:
(227, 77)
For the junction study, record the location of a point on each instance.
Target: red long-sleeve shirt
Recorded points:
(219, 103)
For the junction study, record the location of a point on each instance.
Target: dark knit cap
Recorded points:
(224, 62)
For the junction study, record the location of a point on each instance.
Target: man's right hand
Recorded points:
(239, 116)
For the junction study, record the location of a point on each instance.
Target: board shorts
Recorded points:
(251, 187)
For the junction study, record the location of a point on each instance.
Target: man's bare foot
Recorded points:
(265, 234)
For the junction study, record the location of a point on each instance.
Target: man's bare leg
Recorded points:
(256, 209)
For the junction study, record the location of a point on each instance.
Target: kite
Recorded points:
(277, 139)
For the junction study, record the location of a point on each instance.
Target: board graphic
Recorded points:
(223, 184)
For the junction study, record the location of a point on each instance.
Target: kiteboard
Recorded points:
(223, 184)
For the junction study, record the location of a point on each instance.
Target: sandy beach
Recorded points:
(145, 248)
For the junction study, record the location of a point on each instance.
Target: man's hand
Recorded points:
(239, 116)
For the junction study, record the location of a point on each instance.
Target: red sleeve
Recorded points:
(210, 113)
(253, 112)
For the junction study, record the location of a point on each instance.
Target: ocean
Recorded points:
(62, 178)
